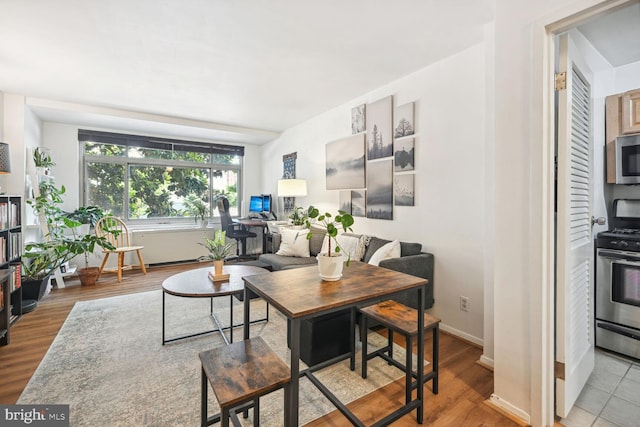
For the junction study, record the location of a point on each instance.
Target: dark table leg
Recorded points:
(247, 302)
(291, 412)
(420, 379)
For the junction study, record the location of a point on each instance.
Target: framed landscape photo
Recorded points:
(345, 163)
(380, 189)
(403, 190)
(358, 202)
(379, 129)
(358, 119)
(403, 121)
(345, 201)
(404, 156)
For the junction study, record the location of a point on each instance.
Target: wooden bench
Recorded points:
(239, 375)
(397, 317)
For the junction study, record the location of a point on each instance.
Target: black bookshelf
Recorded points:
(10, 267)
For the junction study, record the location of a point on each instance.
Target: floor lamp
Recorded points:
(291, 188)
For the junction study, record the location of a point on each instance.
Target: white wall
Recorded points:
(449, 211)
(522, 371)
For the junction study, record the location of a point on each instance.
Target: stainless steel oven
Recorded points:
(618, 281)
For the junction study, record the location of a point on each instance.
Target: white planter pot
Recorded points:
(330, 267)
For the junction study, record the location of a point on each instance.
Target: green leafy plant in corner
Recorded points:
(85, 215)
(331, 224)
(218, 247)
(299, 216)
(42, 159)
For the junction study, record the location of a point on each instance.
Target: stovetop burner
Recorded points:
(624, 231)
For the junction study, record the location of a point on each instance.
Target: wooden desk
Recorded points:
(300, 293)
(255, 223)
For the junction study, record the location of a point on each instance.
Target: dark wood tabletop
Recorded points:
(301, 292)
(196, 283)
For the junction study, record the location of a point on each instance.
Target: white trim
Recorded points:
(509, 408)
(465, 336)
(486, 361)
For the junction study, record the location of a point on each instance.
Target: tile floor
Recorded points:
(611, 396)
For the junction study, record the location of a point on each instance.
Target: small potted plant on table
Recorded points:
(218, 249)
(331, 263)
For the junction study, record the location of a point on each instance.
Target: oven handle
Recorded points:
(619, 330)
(619, 256)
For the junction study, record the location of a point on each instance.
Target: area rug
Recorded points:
(108, 363)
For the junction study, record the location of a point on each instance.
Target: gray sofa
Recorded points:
(412, 261)
(328, 336)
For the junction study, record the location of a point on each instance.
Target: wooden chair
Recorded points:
(397, 317)
(239, 374)
(117, 233)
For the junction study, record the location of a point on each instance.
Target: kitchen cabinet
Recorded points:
(630, 117)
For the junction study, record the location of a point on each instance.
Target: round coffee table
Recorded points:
(197, 284)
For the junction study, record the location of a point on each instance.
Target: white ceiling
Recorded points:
(235, 70)
(253, 64)
(616, 35)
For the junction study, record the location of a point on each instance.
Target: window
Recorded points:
(152, 179)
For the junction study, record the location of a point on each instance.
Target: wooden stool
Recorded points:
(404, 320)
(239, 374)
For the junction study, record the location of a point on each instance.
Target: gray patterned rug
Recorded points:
(108, 363)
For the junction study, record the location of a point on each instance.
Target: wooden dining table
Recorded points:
(301, 294)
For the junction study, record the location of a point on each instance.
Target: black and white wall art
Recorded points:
(403, 189)
(358, 202)
(380, 189)
(345, 163)
(358, 119)
(403, 156)
(403, 124)
(379, 129)
(345, 201)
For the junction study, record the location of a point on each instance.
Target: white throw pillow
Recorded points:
(388, 251)
(293, 243)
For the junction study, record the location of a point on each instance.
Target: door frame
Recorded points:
(542, 248)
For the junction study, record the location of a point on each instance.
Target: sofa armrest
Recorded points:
(420, 265)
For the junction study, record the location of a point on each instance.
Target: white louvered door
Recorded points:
(574, 276)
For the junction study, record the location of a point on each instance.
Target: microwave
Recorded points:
(627, 155)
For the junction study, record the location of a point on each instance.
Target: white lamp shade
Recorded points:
(292, 187)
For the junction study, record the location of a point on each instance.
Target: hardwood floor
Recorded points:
(463, 388)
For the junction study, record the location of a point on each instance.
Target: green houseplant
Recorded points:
(298, 217)
(218, 249)
(86, 215)
(62, 242)
(198, 208)
(331, 263)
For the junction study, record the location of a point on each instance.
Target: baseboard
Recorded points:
(515, 414)
(478, 342)
(485, 362)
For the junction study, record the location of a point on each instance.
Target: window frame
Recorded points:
(152, 142)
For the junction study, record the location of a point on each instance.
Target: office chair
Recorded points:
(234, 231)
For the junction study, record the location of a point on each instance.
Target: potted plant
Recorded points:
(75, 245)
(331, 263)
(298, 217)
(198, 208)
(87, 216)
(218, 249)
(42, 161)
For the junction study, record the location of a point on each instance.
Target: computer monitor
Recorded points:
(266, 202)
(255, 204)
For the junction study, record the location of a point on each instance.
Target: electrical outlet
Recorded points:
(464, 303)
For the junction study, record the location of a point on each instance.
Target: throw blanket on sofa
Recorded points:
(350, 244)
